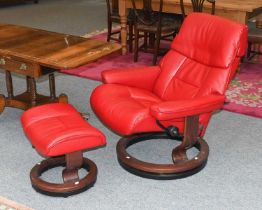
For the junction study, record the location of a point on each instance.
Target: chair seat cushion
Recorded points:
(58, 129)
(125, 109)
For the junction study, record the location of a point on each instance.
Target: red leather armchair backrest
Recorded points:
(203, 58)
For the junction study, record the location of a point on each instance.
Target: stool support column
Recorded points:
(74, 161)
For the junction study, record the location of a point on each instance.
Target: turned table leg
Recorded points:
(52, 86)
(30, 97)
(123, 21)
(9, 84)
(32, 88)
(27, 84)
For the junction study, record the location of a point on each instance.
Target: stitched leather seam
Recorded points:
(54, 144)
(139, 117)
(183, 61)
(182, 110)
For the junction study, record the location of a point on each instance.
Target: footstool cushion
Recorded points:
(58, 128)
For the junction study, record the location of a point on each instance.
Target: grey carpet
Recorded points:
(231, 179)
(75, 17)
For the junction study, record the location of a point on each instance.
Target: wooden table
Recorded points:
(8, 2)
(237, 10)
(34, 53)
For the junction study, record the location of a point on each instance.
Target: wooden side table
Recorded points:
(30, 97)
(34, 53)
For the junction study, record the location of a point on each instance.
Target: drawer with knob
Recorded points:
(19, 67)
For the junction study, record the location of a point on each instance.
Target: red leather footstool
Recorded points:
(58, 131)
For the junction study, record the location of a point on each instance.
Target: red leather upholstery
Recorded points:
(190, 80)
(58, 129)
(210, 44)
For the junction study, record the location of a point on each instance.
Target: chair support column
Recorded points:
(74, 161)
(190, 138)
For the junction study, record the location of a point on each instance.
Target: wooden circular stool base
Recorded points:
(63, 189)
(179, 169)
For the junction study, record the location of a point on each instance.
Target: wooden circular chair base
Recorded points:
(179, 169)
(72, 184)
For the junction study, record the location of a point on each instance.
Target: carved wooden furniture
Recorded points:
(34, 52)
(174, 100)
(255, 41)
(237, 10)
(197, 6)
(154, 23)
(113, 17)
(58, 131)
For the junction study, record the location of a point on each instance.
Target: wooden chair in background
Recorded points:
(153, 23)
(254, 41)
(197, 6)
(113, 17)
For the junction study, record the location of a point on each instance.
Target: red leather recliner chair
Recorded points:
(175, 99)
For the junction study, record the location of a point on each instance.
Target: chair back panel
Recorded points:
(215, 43)
(197, 6)
(202, 59)
(112, 7)
(146, 15)
(169, 67)
(186, 78)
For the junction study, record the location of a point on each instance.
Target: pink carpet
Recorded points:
(244, 93)
(113, 61)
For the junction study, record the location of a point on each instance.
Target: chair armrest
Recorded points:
(140, 77)
(183, 108)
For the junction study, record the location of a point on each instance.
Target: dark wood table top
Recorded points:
(51, 49)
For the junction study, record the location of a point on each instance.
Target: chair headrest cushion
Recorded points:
(211, 40)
